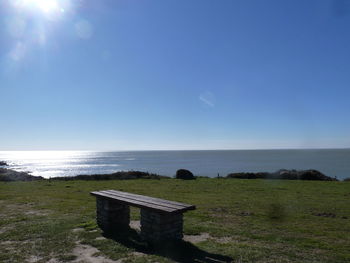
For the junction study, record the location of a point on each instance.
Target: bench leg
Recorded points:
(112, 216)
(158, 226)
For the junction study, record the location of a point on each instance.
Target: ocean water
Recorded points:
(332, 162)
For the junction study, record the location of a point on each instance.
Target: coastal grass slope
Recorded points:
(236, 220)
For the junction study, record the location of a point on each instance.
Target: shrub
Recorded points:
(184, 174)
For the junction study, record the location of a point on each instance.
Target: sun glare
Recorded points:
(46, 7)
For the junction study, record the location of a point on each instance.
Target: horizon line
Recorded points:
(153, 150)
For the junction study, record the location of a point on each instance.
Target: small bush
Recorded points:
(184, 174)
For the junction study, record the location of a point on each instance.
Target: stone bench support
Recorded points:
(111, 215)
(159, 226)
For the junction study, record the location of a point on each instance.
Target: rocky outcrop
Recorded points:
(242, 175)
(122, 175)
(184, 174)
(2, 163)
(303, 175)
(11, 175)
(285, 174)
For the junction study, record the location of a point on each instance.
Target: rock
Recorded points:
(314, 175)
(11, 175)
(261, 175)
(303, 175)
(325, 214)
(284, 174)
(121, 175)
(184, 174)
(2, 163)
(246, 213)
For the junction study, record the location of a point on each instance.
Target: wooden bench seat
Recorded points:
(160, 218)
(142, 201)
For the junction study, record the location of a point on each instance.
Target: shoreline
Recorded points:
(8, 175)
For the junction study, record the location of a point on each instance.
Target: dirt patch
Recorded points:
(206, 236)
(5, 229)
(8, 243)
(27, 209)
(11, 210)
(219, 210)
(86, 254)
(137, 254)
(135, 224)
(197, 238)
(36, 213)
(33, 259)
(76, 230)
(19, 207)
(223, 240)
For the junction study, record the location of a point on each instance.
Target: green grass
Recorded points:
(248, 220)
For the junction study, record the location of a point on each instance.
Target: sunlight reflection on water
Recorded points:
(204, 163)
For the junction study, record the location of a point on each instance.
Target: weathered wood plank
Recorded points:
(144, 201)
(139, 204)
(152, 200)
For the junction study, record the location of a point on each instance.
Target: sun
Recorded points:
(45, 6)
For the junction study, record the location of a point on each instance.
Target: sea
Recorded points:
(211, 163)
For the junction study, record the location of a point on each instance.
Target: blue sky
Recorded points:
(137, 75)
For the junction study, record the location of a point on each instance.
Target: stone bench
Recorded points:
(160, 219)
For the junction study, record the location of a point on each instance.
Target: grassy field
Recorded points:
(236, 220)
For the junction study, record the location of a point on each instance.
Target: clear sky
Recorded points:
(174, 74)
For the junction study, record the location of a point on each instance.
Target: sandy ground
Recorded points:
(86, 253)
(89, 254)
